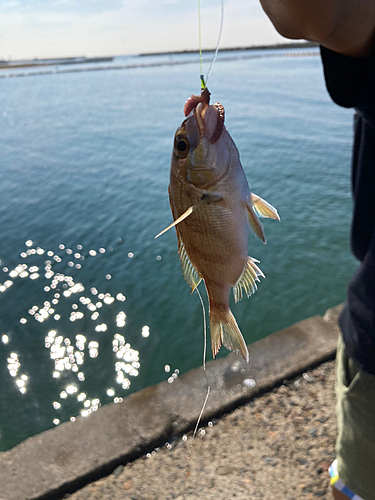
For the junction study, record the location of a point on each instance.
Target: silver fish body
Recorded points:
(213, 211)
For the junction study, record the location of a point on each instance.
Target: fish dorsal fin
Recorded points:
(248, 280)
(262, 208)
(191, 276)
(255, 223)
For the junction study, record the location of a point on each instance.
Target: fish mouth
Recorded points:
(210, 119)
(200, 111)
(194, 100)
(219, 123)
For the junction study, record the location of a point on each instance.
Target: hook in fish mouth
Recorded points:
(210, 121)
(200, 104)
(194, 100)
(219, 123)
(199, 115)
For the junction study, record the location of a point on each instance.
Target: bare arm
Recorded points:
(345, 26)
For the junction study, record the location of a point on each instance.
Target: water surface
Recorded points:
(92, 307)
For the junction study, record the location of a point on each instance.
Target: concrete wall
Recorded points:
(65, 458)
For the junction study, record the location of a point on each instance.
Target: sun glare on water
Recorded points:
(68, 300)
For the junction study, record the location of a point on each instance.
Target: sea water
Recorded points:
(92, 307)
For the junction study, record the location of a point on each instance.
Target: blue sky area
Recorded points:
(59, 28)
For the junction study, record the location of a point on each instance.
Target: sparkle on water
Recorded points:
(69, 355)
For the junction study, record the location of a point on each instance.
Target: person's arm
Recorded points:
(345, 26)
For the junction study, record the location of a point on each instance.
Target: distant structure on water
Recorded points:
(292, 45)
(51, 62)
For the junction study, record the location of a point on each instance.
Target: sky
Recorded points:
(63, 28)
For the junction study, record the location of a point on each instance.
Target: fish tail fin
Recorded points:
(225, 331)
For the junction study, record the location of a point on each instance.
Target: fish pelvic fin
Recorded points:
(263, 209)
(225, 331)
(255, 223)
(191, 275)
(247, 281)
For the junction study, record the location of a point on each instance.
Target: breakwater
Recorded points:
(56, 69)
(61, 460)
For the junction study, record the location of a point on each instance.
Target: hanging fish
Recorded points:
(213, 211)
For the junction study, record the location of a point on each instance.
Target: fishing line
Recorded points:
(204, 331)
(203, 85)
(204, 368)
(205, 373)
(200, 45)
(203, 82)
(218, 40)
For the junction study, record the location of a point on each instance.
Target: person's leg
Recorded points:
(338, 495)
(355, 445)
(339, 489)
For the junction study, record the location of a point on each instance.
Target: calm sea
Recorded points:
(92, 307)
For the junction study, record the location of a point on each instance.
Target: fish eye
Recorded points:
(181, 146)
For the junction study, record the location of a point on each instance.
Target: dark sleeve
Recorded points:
(351, 83)
(350, 80)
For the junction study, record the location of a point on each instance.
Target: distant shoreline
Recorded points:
(52, 62)
(49, 67)
(18, 64)
(292, 45)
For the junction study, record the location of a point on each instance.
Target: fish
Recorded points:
(214, 212)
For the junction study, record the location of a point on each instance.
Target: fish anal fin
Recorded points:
(247, 281)
(262, 208)
(225, 331)
(255, 223)
(191, 275)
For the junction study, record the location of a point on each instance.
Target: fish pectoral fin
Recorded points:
(263, 208)
(255, 223)
(248, 280)
(206, 198)
(225, 331)
(191, 275)
(177, 221)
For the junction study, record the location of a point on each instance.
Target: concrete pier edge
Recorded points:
(64, 459)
